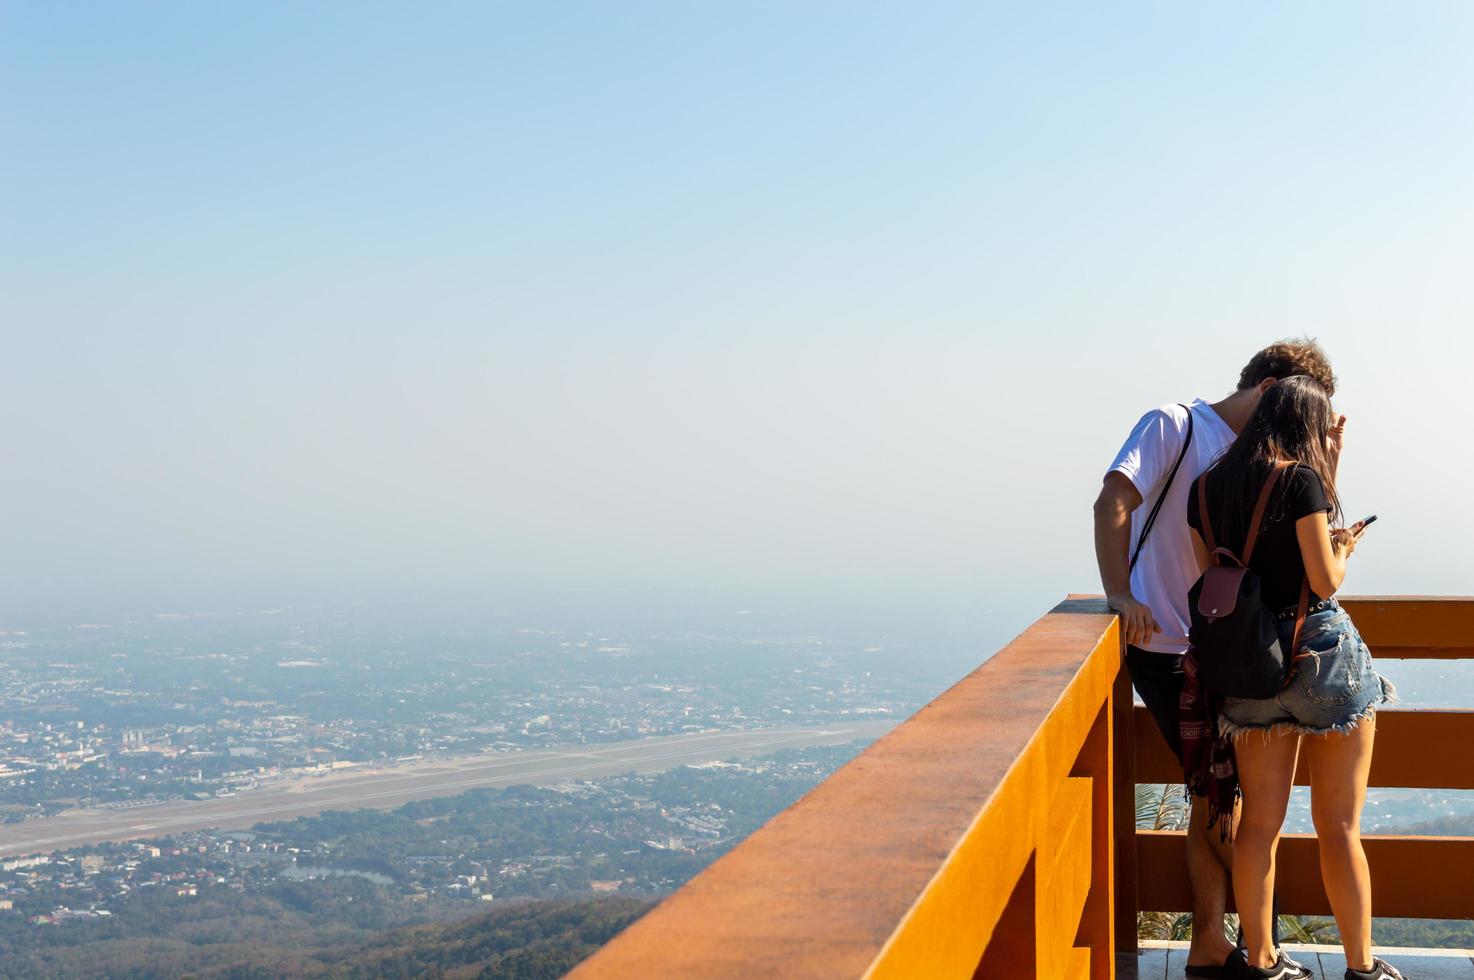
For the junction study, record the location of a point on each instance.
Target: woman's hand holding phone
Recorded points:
(1345, 538)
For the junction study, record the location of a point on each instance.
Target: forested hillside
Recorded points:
(268, 938)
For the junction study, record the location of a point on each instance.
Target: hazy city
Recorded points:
(188, 757)
(190, 706)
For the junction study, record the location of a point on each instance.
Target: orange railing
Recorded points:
(1416, 877)
(993, 833)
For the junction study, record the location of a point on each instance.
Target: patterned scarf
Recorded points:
(1207, 754)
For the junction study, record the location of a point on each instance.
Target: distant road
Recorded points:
(386, 788)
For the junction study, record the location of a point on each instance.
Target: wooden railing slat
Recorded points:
(1402, 757)
(1412, 877)
(1414, 627)
(1064, 875)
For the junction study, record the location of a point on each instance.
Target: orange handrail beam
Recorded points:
(979, 828)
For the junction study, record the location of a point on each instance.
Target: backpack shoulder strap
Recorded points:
(1151, 518)
(1300, 612)
(1203, 517)
(1261, 506)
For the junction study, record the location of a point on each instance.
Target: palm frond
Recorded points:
(1160, 807)
(1182, 927)
(1231, 927)
(1164, 925)
(1154, 925)
(1307, 929)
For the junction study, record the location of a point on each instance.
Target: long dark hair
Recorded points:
(1292, 422)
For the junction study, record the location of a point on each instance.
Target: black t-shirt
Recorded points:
(1277, 559)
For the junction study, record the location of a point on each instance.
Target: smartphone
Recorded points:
(1365, 521)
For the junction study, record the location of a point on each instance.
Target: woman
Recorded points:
(1327, 709)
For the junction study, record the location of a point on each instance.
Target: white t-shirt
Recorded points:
(1167, 567)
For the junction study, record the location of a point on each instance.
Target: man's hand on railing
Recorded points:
(1137, 622)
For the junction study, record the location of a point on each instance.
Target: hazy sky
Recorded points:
(799, 295)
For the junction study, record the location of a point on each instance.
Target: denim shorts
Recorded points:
(1331, 689)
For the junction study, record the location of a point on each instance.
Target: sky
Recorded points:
(809, 298)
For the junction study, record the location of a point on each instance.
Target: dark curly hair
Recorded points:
(1286, 359)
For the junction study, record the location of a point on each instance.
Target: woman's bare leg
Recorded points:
(1338, 787)
(1266, 763)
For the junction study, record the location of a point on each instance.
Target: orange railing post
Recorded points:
(1124, 843)
(1097, 929)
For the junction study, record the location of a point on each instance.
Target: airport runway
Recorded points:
(385, 788)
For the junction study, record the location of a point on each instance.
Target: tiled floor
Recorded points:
(1164, 961)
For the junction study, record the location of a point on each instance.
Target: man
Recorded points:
(1167, 450)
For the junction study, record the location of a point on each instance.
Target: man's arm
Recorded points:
(1113, 508)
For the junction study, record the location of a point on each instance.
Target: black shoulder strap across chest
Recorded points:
(1151, 519)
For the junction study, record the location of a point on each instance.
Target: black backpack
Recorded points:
(1235, 643)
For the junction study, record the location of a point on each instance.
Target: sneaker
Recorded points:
(1381, 970)
(1296, 964)
(1284, 969)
